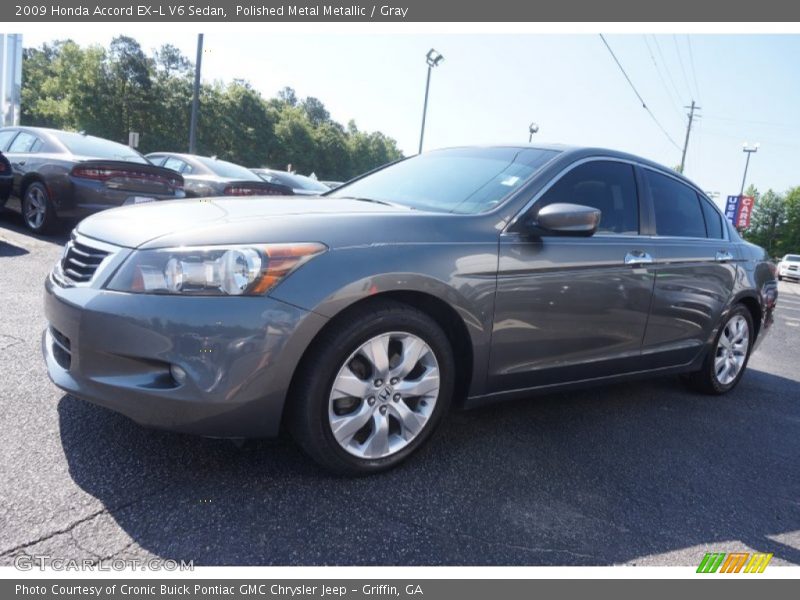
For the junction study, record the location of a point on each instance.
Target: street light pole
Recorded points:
(433, 58)
(196, 96)
(747, 149)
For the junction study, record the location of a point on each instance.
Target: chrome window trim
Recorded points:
(556, 178)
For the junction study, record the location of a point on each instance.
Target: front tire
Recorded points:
(727, 360)
(37, 209)
(372, 389)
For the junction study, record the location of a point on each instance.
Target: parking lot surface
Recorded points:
(641, 473)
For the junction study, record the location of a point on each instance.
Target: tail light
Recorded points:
(106, 173)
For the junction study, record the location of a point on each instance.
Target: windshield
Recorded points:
(86, 145)
(293, 180)
(791, 258)
(224, 168)
(458, 180)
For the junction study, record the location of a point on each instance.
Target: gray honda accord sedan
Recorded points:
(356, 319)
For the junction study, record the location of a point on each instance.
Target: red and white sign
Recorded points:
(746, 204)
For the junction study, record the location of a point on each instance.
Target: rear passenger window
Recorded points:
(174, 163)
(713, 220)
(5, 137)
(24, 142)
(608, 186)
(677, 207)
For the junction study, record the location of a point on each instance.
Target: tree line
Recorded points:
(109, 92)
(775, 222)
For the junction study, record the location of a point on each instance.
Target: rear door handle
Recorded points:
(20, 163)
(724, 256)
(638, 257)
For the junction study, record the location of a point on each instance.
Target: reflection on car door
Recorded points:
(694, 269)
(568, 301)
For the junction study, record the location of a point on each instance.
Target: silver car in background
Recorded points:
(356, 319)
(300, 184)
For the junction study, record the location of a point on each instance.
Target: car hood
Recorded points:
(208, 221)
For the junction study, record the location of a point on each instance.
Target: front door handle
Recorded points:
(20, 163)
(638, 257)
(724, 256)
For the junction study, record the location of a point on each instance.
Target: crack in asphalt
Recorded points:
(69, 528)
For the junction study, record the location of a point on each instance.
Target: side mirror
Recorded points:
(562, 218)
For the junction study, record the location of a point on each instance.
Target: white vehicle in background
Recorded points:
(789, 267)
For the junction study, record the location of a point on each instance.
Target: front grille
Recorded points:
(81, 261)
(62, 349)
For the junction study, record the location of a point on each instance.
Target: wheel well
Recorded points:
(444, 314)
(754, 307)
(27, 180)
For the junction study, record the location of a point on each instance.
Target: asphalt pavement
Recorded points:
(641, 473)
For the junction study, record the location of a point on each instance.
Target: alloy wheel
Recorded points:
(35, 209)
(384, 395)
(731, 351)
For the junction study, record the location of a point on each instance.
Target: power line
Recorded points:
(666, 66)
(735, 120)
(672, 102)
(680, 62)
(691, 64)
(638, 95)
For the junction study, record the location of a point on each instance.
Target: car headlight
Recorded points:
(248, 270)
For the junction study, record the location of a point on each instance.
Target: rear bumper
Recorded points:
(769, 299)
(87, 197)
(239, 354)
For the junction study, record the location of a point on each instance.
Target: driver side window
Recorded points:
(609, 186)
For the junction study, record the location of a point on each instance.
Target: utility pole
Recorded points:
(691, 108)
(196, 96)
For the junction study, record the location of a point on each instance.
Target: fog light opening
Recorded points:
(178, 374)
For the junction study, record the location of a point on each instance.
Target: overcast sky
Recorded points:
(490, 87)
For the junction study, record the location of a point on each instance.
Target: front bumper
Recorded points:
(239, 353)
(791, 273)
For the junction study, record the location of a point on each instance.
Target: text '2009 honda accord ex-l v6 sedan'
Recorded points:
(356, 319)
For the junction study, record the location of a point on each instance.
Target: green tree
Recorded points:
(109, 92)
(790, 237)
(768, 220)
(315, 111)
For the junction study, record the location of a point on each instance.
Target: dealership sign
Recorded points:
(738, 210)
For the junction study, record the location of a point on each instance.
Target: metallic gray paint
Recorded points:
(539, 312)
(73, 197)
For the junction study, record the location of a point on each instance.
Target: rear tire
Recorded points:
(38, 212)
(727, 359)
(372, 389)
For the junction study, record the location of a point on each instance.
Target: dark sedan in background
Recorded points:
(6, 179)
(209, 176)
(62, 174)
(300, 184)
(468, 274)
